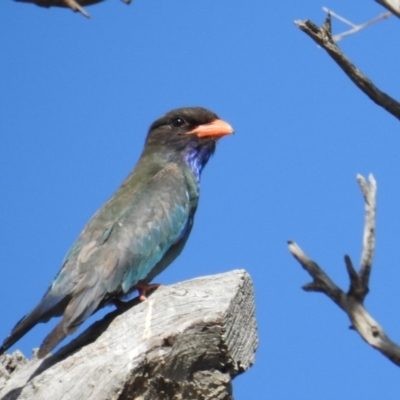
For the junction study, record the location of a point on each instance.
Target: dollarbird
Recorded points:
(138, 232)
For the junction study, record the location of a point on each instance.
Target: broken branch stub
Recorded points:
(188, 340)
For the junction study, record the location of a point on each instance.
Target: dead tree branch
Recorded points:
(354, 27)
(352, 301)
(323, 37)
(75, 5)
(392, 5)
(186, 341)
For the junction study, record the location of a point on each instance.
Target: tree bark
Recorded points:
(186, 341)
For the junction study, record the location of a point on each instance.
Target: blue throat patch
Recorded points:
(196, 159)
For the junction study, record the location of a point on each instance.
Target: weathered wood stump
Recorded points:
(186, 341)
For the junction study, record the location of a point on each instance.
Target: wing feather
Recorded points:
(126, 250)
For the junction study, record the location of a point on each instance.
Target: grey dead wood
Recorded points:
(352, 301)
(323, 37)
(186, 341)
(392, 5)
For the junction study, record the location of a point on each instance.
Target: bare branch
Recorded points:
(354, 28)
(355, 284)
(323, 37)
(369, 193)
(75, 5)
(321, 283)
(339, 17)
(391, 5)
(352, 301)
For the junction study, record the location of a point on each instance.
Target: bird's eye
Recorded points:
(178, 122)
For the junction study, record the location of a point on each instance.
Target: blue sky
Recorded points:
(77, 97)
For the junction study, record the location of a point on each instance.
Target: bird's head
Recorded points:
(188, 134)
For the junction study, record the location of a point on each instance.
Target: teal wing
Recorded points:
(114, 252)
(126, 250)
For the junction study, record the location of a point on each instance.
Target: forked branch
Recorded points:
(352, 301)
(354, 28)
(323, 37)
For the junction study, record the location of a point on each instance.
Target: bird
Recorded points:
(137, 233)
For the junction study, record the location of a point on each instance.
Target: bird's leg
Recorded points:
(119, 304)
(143, 288)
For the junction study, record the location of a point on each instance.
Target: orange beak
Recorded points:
(215, 129)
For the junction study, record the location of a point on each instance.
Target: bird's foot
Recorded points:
(143, 288)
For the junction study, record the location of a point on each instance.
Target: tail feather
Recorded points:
(54, 338)
(75, 308)
(77, 311)
(49, 307)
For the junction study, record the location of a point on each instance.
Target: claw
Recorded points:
(143, 288)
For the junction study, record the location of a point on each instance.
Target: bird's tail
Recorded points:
(80, 307)
(58, 334)
(75, 307)
(49, 307)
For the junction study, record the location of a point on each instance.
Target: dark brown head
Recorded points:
(189, 134)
